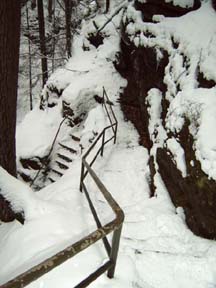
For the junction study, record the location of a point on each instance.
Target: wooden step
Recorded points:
(75, 138)
(57, 172)
(68, 148)
(64, 157)
(61, 165)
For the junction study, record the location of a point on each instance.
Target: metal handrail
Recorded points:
(50, 152)
(112, 251)
(114, 226)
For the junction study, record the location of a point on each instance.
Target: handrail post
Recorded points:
(114, 251)
(103, 140)
(103, 102)
(81, 176)
(116, 127)
(51, 149)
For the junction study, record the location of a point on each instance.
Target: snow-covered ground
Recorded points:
(157, 249)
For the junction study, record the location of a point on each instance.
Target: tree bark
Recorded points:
(42, 41)
(50, 10)
(30, 60)
(9, 55)
(107, 6)
(53, 37)
(214, 4)
(68, 13)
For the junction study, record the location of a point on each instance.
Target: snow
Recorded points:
(17, 193)
(157, 249)
(45, 234)
(181, 3)
(199, 107)
(195, 34)
(38, 129)
(178, 153)
(156, 130)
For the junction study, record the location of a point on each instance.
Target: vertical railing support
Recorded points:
(103, 101)
(81, 176)
(102, 146)
(115, 136)
(114, 251)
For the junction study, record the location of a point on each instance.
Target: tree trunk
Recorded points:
(30, 60)
(107, 6)
(50, 10)
(68, 13)
(9, 55)
(101, 5)
(53, 37)
(42, 41)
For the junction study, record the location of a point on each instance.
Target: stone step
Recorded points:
(51, 180)
(68, 148)
(57, 172)
(75, 138)
(66, 153)
(61, 165)
(64, 157)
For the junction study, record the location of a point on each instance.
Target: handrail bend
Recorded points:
(114, 226)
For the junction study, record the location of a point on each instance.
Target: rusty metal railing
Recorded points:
(114, 226)
(49, 154)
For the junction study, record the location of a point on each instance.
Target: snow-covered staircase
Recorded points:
(66, 151)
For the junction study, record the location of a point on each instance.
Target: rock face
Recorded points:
(140, 66)
(6, 213)
(161, 7)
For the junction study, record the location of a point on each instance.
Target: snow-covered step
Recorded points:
(75, 138)
(72, 150)
(51, 180)
(61, 165)
(64, 157)
(65, 153)
(57, 172)
(53, 177)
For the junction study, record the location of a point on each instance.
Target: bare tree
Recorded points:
(30, 60)
(42, 41)
(103, 5)
(50, 10)
(53, 36)
(107, 6)
(68, 14)
(9, 55)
